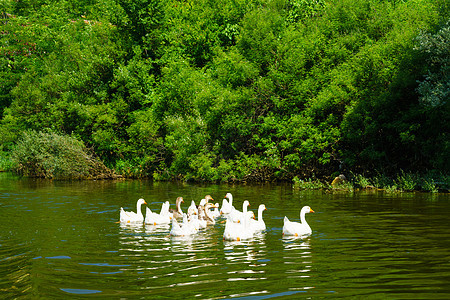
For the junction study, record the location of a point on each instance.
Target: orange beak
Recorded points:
(310, 210)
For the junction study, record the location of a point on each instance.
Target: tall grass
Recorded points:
(402, 182)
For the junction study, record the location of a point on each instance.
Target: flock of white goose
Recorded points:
(239, 225)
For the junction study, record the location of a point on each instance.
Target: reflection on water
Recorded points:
(298, 259)
(61, 239)
(16, 272)
(245, 250)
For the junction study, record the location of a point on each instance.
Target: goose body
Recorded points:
(131, 216)
(162, 218)
(197, 223)
(259, 225)
(165, 208)
(215, 213)
(192, 209)
(239, 216)
(296, 228)
(238, 231)
(183, 229)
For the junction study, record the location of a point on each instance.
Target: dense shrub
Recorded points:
(255, 90)
(48, 155)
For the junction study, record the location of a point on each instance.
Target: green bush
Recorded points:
(362, 181)
(49, 155)
(309, 184)
(407, 181)
(6, 163)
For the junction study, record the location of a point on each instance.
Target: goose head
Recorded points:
(262, 207)
(306, 210)
(141, 201)
(229, 197)
(245, 205)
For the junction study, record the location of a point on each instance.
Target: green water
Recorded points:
(61, 240)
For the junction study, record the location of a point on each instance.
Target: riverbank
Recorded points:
(432, 182)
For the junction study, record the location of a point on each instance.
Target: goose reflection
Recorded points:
(201, 242)
(139, 239)
(131, 235)
(243, 251)
(258, 239)
(157, 232)
(244, 259)
(182, 243)
(298, 255)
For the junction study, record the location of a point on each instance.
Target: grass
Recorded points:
(310, 184)
(432, 182)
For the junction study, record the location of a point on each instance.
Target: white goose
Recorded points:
(182, 229)
(227, 206)
(192, 209)
(239, 216)
(215, 213)
(131, 216)
(162, 218)
(238, 231)
(295, 228)
(165, 209)
(259, 225)
(197, 223)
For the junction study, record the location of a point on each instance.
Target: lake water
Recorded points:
(61, 240)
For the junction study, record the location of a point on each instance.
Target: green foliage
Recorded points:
(309, 184)
(234, 90)
(435, 89)
(434, 92)
(299, 10)
(429, 185)
(48, 155)
(407, 181)
(361, 181)
(6, 163)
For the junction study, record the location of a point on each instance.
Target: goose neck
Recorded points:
(138, 209)
(260, 212)
(179, 207)
(302, 217)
